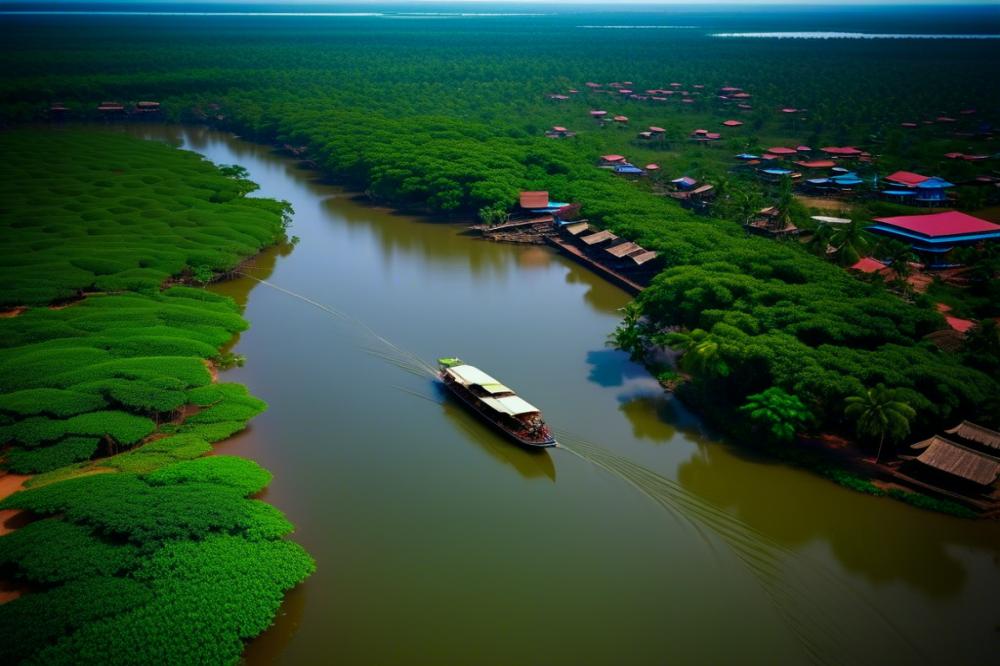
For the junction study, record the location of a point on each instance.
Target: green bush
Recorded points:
(54, 551)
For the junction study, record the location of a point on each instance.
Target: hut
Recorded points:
(933, 191)
(559, 132)
(621, 119)
(974, 435)
(842, 151)
(732, 123)
(684, 183)
(629, 170)
(147, 107)
(657, 132)
(610, 161)
(622, 250)
(652, 167)
(781, 151)
(815, 164)
(953, 466)
(577, 228)
(111, 108)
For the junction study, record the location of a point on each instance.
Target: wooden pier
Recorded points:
(599, 268)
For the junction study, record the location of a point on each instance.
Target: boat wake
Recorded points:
(375, 344)
(810, 599)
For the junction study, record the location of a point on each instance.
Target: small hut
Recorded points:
(933, 191)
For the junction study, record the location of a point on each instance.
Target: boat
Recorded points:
(494, 402)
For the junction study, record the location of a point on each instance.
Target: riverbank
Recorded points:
(164, 535)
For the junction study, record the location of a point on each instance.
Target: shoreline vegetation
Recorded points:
(129, 533)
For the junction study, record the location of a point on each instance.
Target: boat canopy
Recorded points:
(468, 375)
(512, 405)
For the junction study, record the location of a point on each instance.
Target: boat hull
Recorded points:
(513, 436)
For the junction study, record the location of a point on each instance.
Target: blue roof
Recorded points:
(962, 238)
(934, 183)
(819, 181)
(777, 172)
(747, 156)
(553, 207)
(627, 168)
(847, 180)
(899, 193)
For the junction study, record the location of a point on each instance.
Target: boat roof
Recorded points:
(469, 375)
(511, 404)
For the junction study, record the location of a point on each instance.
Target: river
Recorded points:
(437, 542)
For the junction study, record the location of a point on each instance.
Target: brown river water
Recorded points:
(644, 541)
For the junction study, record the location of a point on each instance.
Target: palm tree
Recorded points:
(700, 352)
(850, 241)
(877, 413)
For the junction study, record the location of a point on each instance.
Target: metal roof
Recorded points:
(468, 375)
(512, 405)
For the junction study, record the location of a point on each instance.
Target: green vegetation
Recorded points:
(141, 540)
(448, 117)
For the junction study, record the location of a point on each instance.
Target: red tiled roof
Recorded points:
(906, 177)
(732, 123)
(778, 150)
(612, 158)
(949, 223)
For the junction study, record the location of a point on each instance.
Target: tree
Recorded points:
(629, 335)
(899, 256)
(877, 413)
(700, 351)
(777, 411)
(850, 241)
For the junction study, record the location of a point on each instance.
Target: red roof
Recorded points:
(558, 128)
(817, 164)
(960, 325)
(598, 113)
(841, 150)
(653, 128)
(700, 131)
(789, 110)
(778, 150)
(712, 135)
(534, 199)
(612, 158)
(906, 177)
(868, 265)
(741, 95)
(732, 123)
(803, 149)
(621, 119)
(940, 224)
(652, 167)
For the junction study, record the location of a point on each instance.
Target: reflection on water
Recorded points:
(414, 529)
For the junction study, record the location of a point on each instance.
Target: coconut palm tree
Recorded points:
(850, 242)
(878, 413)
(700, 351)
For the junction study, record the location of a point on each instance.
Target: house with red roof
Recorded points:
(936, 234)
(612, 160)
(905, 179)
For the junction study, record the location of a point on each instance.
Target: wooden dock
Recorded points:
(599, 268)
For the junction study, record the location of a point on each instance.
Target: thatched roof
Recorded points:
(972, 432)
(953, 458)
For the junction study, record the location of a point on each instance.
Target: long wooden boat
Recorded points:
(495, 403)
